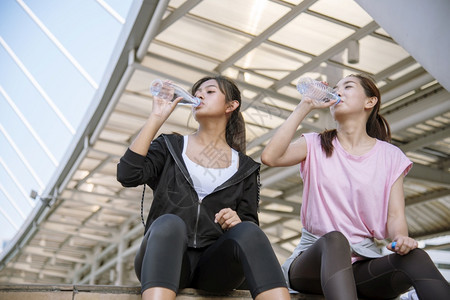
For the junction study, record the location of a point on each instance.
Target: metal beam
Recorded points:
(405, 84)
(104, 205)
(255, 42)
(428, 174)
(294, 205)
(26, 267)
(420, 111)
(86, 236)
(174, 16)
(99, 167)
(282, 214)
(411, 201)
(286, 240)
(40, 251)
(395, 68)
(369, 28)
(274, 175)
(418, 95)
(152, 29)
(427, 140)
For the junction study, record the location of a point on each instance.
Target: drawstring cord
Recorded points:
(142, 206)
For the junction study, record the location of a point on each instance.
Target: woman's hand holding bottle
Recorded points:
(162, 107)
(317, 91)
(161, 110)
(316, 94)
(312, 103)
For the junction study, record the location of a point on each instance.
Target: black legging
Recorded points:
(325, 268)
(241, 253)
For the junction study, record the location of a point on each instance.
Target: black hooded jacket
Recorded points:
(164, 170)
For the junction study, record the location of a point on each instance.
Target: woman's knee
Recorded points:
(335, 240)
(166, 232)
(247, 231)
(416, 259)
(167, 226)
(418, 254)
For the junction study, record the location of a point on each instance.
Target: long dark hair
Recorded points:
(235, 129)
(376, 126)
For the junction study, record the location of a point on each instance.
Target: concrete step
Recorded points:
(102, 292)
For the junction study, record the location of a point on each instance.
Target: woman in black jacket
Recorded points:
(202, 230)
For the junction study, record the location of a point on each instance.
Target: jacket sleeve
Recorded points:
(247, 208)
(134, 169)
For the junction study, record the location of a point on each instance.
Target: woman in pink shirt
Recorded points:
(353, 193)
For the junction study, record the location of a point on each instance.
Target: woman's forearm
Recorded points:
(396, 219)
(278, 145)
(148, 132)
(397, 227)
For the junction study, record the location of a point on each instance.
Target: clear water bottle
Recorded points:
(316, 90)
(170, 92)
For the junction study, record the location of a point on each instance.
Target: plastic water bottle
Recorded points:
(316, 90)
(170, 91)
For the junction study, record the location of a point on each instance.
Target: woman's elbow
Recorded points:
(267, 159)
(125, 179)
(122, 180)
(127, 184)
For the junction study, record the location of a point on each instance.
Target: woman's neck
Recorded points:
(353, 137)
(210, 137)
(211, 133)
(209, 148)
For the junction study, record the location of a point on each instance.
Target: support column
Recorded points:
(119, 265)
(94, 265)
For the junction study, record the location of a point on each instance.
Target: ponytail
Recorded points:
(326, 141)
(235, 132)
(376, 126)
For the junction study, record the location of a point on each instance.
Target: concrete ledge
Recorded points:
(103, 292)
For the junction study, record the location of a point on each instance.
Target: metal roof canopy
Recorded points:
(90, 229)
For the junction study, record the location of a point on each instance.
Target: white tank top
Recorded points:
(207, 179)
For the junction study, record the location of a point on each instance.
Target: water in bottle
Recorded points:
(316, 90)
(170, 91)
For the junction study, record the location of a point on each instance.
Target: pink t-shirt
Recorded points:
(349, 193)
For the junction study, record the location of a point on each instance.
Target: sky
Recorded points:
(53, 56)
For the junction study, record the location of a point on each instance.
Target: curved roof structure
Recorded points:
(88, 228)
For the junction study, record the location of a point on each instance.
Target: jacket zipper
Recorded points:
(196, 222)
(186, 175)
